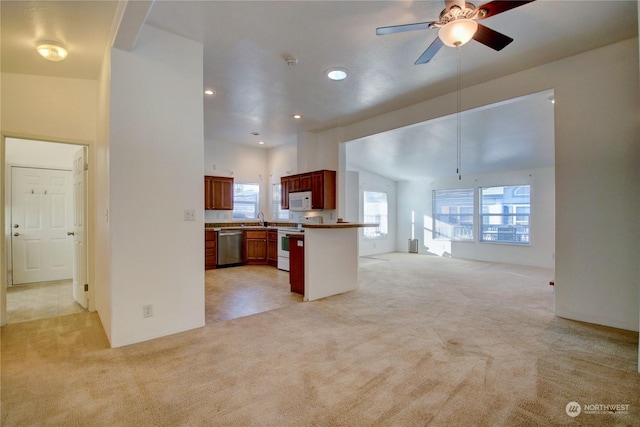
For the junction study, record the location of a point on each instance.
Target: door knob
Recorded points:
(70, 233)
(16, 234)
(16, 225)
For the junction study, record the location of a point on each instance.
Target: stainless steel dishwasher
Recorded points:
(229, 248)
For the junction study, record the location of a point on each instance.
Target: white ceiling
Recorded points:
(246, 43)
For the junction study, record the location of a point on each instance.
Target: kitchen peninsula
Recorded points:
(330, 259)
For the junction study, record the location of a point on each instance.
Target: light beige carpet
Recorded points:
(424, 341)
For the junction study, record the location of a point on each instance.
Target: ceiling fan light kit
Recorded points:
(458, 32)
(458, 24)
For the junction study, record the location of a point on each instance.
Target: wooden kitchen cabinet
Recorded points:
(294, 183)
(296, 264)
(284, 192)
(218, 193)
(323, 189)
(255, 247)
(322, 185)
(272, 248)
(305, 182)
(210, 249)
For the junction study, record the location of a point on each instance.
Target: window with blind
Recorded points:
(504, 214)
(375, 210)
(453, 214)
(246, 201)
(276, 206)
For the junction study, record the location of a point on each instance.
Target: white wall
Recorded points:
(597, 157)
(369, 181)
(102, 243)
(245, 164)
(49, 108)
(416, 196)
(155, 171)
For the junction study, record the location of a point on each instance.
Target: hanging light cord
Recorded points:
(459, 121)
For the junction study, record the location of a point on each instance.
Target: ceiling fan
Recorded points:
(457, 25)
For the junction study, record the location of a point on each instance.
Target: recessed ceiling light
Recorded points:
(261, 142)
(297, 116)
(52, 51)
(210, 92)
(337, 74)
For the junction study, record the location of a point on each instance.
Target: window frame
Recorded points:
(237, 203)
(509, 222)
(277, 212)
(436, 234)
(382, 231)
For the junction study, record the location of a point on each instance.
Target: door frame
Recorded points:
(6, 243)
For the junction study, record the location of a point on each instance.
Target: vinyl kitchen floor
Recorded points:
(40, 301)
(242, 291)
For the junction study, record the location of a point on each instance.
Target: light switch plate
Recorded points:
(189, 214)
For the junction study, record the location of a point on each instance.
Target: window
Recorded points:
(246, 201)
(375, 211)
(453, 214)
(504, 214)
(276, 206)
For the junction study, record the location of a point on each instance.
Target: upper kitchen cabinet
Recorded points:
(284, 192)
(305, 182)
(323, 189)
(218, 193)
(322, 185)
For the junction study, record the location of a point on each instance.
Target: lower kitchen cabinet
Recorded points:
(296, 264)
(255, 247)
(210, 249)
(272, 248)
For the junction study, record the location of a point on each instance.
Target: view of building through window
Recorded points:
(504, 214)
(276, 207)
(246, 201)
(376, 211)
(453, 214)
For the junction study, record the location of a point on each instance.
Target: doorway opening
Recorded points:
(46, 208)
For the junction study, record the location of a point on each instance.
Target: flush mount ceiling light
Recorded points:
(297, 116)
(52, 51)
(458, 32)
(337, 74)
(210, 92)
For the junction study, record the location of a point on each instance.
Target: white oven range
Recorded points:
(283, 247)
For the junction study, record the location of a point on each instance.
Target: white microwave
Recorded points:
(300, 201)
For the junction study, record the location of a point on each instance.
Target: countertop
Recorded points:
(251, 227)
(291, 227)
(340, 225)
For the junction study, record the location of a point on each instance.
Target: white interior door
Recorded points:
(80, 287)
(41, 214)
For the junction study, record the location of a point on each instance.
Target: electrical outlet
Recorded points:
(147, 310)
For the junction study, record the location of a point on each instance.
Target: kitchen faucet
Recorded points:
(262, 222)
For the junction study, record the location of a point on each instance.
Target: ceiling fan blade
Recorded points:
(433, 48)
(491, 38)
(381, 31)
(498, 6)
